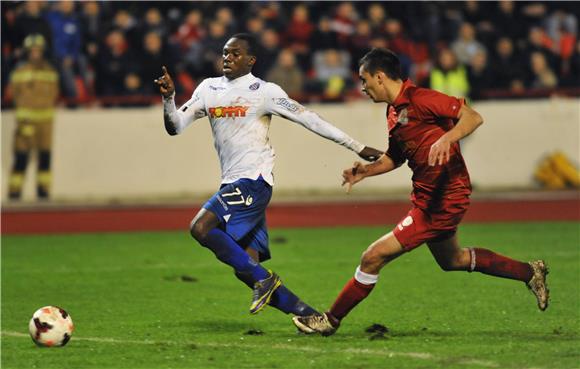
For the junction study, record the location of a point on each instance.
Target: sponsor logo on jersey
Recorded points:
(288, 104)
(255, 86)
(228, 111)
(216, 88)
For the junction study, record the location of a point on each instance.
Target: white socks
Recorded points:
(365, 278)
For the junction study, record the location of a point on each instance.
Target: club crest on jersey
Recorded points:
(228, 111)
(255, 86)
(402, 117)
(393, 117)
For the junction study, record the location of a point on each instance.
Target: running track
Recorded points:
(156, 218)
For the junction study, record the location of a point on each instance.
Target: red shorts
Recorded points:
(419, 226)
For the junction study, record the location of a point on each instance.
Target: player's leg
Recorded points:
(44, 145)
(451, 257)
(205, 229)
(22, 145)
(412, 231)
(256, 245)
(226, 219)
(373, 259)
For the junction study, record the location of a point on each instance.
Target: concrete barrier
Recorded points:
(125, 153)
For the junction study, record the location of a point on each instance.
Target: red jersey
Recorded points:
(416, 120)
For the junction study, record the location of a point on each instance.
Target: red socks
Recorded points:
(488, 262)
(352, 293)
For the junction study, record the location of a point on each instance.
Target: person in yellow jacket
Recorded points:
(448, 76)
(35, 88)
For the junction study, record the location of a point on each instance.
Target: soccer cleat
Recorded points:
(263, 290)
(315, 324)
(537, 285)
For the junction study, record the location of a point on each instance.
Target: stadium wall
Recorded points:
(125, 153)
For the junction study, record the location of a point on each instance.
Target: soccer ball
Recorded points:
(50, 326)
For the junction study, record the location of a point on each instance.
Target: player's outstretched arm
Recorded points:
(359, 171)
(278, 103)
(177, 120)
(468, 122)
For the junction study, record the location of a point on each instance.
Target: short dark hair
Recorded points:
(384, 60)
(250, 40)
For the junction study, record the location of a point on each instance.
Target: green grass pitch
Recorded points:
(132, 307)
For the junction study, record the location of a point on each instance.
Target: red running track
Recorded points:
(23, 221)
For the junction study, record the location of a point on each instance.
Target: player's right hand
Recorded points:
(353, 175)
(165, 83)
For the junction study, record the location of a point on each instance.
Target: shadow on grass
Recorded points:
(555, 335)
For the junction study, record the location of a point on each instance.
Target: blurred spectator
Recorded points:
(255, 26)
(126, 23)
(155, 55)
(573, 77)
(194, 33)
(286, 73)
(478, 15)
(299, 31)
(538, 41)
(188, 39)
(506, 21)
(34, 87)
(268, 52)
(466, 46)
(376, 18)
(400, 44)
(360, 41)
(30, 21)
(67, 49)
(154, 22)
(344, 22)
(479, 75)
(272, 15)
(542, 76)
(332, 72)
(114, 65)
(506, 68)
(324, 37)
(449, 76)
(212, 47)
(225, 16)
(91, 26)
(190, 32)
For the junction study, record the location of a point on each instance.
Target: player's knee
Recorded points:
(456, 262)
(198, 231)
(370, 257)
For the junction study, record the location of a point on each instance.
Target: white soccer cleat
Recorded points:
(537, 285)
(315, 324)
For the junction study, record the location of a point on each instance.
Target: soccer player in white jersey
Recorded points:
(232, 223)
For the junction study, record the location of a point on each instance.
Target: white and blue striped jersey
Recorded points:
(240, 112)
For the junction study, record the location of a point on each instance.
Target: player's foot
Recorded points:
(319, 323)
(537, 285)
(263, 290)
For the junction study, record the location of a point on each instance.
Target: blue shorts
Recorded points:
(241, 208)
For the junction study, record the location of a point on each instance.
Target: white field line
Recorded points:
(280, 346)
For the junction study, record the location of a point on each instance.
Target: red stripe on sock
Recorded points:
(352, 293)
(488, 262)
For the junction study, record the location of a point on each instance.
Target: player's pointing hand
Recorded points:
(439, 152)
(165, 83)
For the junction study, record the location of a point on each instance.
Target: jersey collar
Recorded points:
(239, 80)
(402, 97)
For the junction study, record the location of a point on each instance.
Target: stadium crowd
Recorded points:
(311, 49)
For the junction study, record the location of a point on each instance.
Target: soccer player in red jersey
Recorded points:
(424, 128)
